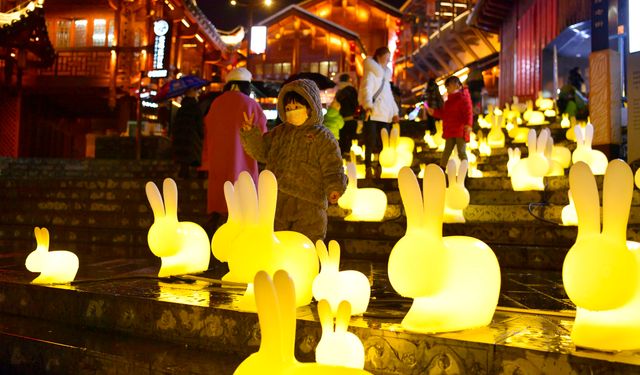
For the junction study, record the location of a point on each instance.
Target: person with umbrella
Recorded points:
(187, 129)
(225, 156)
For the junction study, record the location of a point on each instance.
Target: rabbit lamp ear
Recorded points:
(339, 347)
(228, 231)
(346, 200)
(599, 271)
(160, 238)
(36, 259)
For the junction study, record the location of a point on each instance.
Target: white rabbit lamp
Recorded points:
(392, 157)
(601, 272)
(484, 124)
(565, 123)
(368, 204)
(276, 303)
(183, 246)
(257, 247)
(335, 286)
(404, 143)
(596, 159)
(555, 168)
(388, 153)
(536, 118)
(495, 138)
(357, 149)
(54, 266)
(337, 346)
(514, 158)
(569, 215)
(455, 281)
(456, 196)
(529, 172)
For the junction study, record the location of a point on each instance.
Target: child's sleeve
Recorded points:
(255, 143)
(331, 164)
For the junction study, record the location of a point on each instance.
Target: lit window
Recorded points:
(80, 31)
(99, 32)
(62, 33)
(110, 35)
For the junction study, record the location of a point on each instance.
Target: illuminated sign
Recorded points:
(258, 39)
(634, 29)
(161, 30)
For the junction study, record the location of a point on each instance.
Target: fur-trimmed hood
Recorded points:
(309, 90)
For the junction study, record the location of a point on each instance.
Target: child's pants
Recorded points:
(460, 144)
(300, 216)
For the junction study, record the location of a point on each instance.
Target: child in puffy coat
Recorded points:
(305, 158)
(457, 119)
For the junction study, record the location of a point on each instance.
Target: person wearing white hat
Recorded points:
(225, 156)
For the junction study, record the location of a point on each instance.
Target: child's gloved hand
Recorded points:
(333, 197)
(247, 122)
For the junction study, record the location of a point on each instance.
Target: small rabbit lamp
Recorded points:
(555, 168)
(183, 246)
(256, 247)
(495, 138)
(392, 157)
(335, 286)
(543, 103)
(54, 266)
(526, 115)
(529, 172)
(337, 346)
(569, 215)
(276, 303)
(368, 204)
(637, 178)
(565, 123)
(483, 123)
(518, 134)
(357, 149)
(455, 281)
(514, 158)
(483, 146)
(456, 196)
(601, 272)
(405, 144)
(536, 118)
(596, 159)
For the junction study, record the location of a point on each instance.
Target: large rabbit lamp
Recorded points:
(335, 286)
(337, 346)
(183, 246)
(276, 305)
(455, 281)
(251, 245)
(368, 204)
(601, 272)
(54, 266)
(596, 159)
(457, 196)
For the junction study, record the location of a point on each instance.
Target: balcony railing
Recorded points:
(80, 63)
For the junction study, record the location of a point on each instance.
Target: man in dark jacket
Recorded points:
(347, 96)
(187, 132)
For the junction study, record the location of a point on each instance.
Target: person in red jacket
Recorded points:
(457, 119)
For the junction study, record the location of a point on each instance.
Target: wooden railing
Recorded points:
(80, 63)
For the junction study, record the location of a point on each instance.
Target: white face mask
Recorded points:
(297, 117)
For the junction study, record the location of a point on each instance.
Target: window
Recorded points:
(80, 31)
(62, 33)
(324, 68)
(286, 69)
(110, 35)
(259, 70)
(277, 69)
(99, 32)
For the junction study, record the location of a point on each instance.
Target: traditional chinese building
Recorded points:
(102, 49)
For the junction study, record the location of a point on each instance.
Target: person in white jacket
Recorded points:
(376, 98)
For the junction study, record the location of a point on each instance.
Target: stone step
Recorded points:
(39, 346)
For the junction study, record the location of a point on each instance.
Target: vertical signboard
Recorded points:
(161, 48)
(633, 85)
(599, 25)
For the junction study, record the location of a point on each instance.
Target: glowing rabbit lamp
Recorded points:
(544, 103)
(495, 138)
(484, 124)
(529, 172)
(276, 303)
(517, 105)
(422, 169)
(562, 155)
(569, 215)
(257, 247)
(484, 148)
(536, 118)
(428, 139)
(489, 117)
(601, 270)
(58, 266)
(565, 123)
(392, 158)
(473, 141)
(357, 149)
(455, 281)
(404, 143)
(456, 196)
(555, 168)
(527, 113)
(596, 159)
(637, 178)
(183, 246)
(335, 286)
(368, 204)
(360, 168)
(518, 134)
(509, 127)
(514, 158)
(337, 346)
(549, 113)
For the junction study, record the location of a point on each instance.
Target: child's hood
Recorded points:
(309, 90)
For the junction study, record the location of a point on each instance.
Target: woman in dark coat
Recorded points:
(187, 132)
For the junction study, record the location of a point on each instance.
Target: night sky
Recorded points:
(225, 16)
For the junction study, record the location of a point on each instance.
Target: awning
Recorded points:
(488, 15)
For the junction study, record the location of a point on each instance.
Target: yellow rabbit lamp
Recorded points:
(335, 286)
(565, 123)
(54, 266)
(569, 215)
(528, 173)
(457, 196)
(337, 346)
(406, 144)
(249, 244)
(455, 281)
(368, 204)
(393, 157)
(601, 272)
(596, 159)
(514, 158)
(183, 246)
(495, 138)
(276, 303)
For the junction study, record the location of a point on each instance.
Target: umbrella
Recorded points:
(179, 86)
(321, 80)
